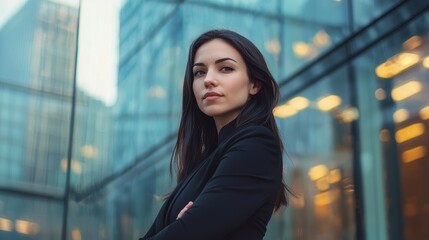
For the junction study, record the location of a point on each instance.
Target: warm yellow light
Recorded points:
(413, 154)
(273, 46)
(75, 166)
(424, 113)
(157, 92)
(396, 64)
(321, 39)
(299, 103)
(426, 62)
(64, 164)
(409, 132)
(412, 43)
(400, 115)
(322, 184)
(328, 103)
(5, 225)
(89, 151)
(76, 235)
(303, 50)
(284, 111)
(349, 114)
(27, 227)
(406, 90)
(317, 172)
(384, 135)
(380, 94)
(334, 176)
(322, 199)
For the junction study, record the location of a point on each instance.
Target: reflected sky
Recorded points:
(98, 44)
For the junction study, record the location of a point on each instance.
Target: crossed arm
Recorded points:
(247, 175)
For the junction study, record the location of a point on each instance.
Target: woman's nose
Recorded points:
(210, 79)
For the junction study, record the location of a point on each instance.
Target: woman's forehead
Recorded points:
(216, 49)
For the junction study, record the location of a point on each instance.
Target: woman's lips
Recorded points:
(211, 95)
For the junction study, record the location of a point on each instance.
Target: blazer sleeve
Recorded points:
(249, 172)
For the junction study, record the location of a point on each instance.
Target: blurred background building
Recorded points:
(90, 100)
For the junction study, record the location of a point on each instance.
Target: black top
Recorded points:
(234, 190)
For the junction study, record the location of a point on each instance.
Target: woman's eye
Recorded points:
(226, 69)
(198, 73)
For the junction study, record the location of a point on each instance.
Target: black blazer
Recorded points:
(234, 190)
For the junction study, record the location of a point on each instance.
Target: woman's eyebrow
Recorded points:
(216, 62)
(224, 59)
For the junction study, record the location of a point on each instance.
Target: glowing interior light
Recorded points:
(409, 132)
(76, 166)
(424, 113)
(406, 90)
(334, 176)
(317, 172)
(380, 94)
(157, 92)
(321, 39)
(400, 115)
(328, 103)
(5, 225)
(413, 154)
(322, 199)
(412, 43)
(384, 135)
(273, 46)
(89, 151)
(299, 103)
(284, 111)
(349, 114)
(27, 227)
(322, 184)
(303, 50)
(76, 235)
(396, 64)
(426, 62)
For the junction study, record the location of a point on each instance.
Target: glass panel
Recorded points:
(34, 137)
(29, 218)
(315, 126)
(37, 47)
(257, 7)
(364, 11)
(394, 110)
(127, 208)
(310, 28)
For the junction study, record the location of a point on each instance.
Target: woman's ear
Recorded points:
(254, 88)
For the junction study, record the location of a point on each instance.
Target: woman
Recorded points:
(228, 152)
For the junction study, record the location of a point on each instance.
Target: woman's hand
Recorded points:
(189, 205)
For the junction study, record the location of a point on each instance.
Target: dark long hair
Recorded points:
(197, 134)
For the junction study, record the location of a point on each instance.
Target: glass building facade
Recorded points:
(90, 100)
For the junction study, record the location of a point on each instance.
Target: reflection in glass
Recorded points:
(320, 150)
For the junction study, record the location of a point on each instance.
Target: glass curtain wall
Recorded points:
(90, 99)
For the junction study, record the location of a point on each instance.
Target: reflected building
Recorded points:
(37, 63)
(36, 102)
(37, 55)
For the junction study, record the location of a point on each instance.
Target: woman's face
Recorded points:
(221, 84)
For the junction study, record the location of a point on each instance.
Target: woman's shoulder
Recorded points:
(254, 131)
(253, 135)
